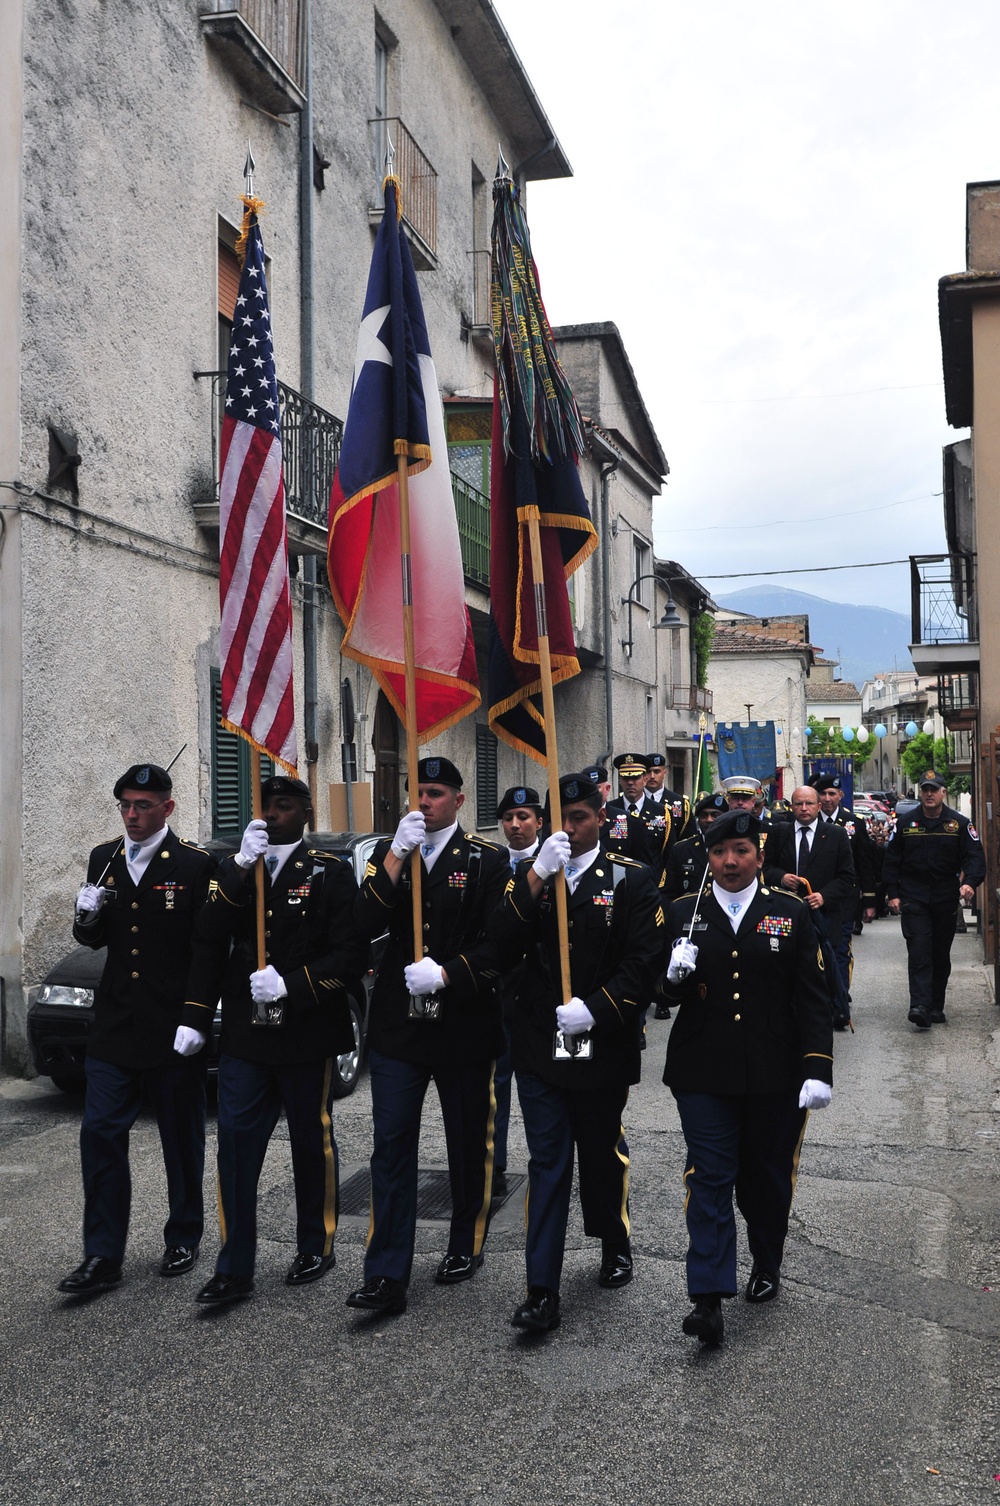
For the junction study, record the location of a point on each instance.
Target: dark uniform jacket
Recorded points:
(617, 938)
(460, 893)
(755, 1012)
(861, 851)
(147, 929)
(649, 835)
(310, 939)
(830, 869)
(925, 859)
(684, 869)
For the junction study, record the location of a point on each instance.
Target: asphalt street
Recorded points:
(873, 1379)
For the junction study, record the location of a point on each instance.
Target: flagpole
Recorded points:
(410, 675)
(532, 516)
(255, 809)
(702, 724)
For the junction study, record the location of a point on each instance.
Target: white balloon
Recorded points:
(862, 734)
(929, 725)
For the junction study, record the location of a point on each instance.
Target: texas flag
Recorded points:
(395, 409)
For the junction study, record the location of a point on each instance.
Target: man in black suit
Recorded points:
(283, 1025)
(813, 858)
(575, 1059)
(832, 808)
(140, 900)
(434, 1017)
(749, 1053)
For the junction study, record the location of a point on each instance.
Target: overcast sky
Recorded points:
(764, 197)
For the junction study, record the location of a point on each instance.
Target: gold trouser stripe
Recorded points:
(795, 1157)
(330, 1197)
(482, 1220)
(686, 1181)
(625, 1162)
(221, 1210)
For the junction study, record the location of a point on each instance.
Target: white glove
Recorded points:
(552, 855)
(424, 977)
(575, 1018)
(683, 956)
(410, 832)
(187, 1041)
(815, 1095)
(267, 986)
(253, 845)
(89, 900)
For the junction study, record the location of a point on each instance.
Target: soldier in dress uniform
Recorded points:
(437, 1018)
(140, 901)
(832, 808)
(636, 828)
(521, 817)
(283, 1026)
(934, 860)
(656, 765)
(574, 1062)
(749, 1053)
(686, 864)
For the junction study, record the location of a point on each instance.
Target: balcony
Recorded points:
(958, 697)
(310, 449)
(944, 628)
(688, 698)
(263, 43)
(472, 509)
(418, 189)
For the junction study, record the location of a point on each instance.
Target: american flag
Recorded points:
(255, 636)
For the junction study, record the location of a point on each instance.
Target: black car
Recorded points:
(61, 1015)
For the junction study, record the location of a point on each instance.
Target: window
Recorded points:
(642, 556)
(231, 800)
(487, 793)
(381, 110)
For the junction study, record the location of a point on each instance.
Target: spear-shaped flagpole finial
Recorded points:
(503, 173)
(248, 168)
(390, 155)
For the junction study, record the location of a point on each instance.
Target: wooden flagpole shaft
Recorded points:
(255, 807)
(551, 749)
(410, 672)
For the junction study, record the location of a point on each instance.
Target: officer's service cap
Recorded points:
(823, 782)
(631, 764)
(655, 761)
(145, 776)
(438, 771)
(284, 784)
(932, 780)
(574, 787)
(740, 784)
(735, 824)
(717, 803)
(517, 797)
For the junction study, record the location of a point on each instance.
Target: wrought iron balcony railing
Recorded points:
(688, 698)
(417, 178)
(957, 695)
(265, 43)
(472, 508)
(942, 599)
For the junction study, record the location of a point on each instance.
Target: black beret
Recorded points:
(656, 761)
(573, 787)
(823, 782)
(517, 796)
(438, 770)
(145, 776)
(735, 824)
(712, 803)
(596, 773)
(283, 784)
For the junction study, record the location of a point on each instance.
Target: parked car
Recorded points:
(871, 812)
(60, 1017)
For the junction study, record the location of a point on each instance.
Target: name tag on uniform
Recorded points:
(700, 925)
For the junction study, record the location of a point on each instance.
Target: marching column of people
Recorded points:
(753, 948)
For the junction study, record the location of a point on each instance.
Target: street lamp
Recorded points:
(670, 619)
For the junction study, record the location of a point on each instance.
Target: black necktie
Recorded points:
(805, 841)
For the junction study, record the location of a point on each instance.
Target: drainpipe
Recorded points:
(307, 382)
(609, 460)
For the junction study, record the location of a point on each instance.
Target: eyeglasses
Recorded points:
(139, 806)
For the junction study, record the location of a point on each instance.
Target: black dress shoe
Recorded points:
(456, 1268)
(177, 1259)
(763, 1285)
(306, 1268)
(920, 1018)
(96, 1274)
(616, 1267)
(500, 1184)
(938, 1017)
(539, 1313)
(380, 1295)
(704, 1321)
(661, 1012)
(223, 1289)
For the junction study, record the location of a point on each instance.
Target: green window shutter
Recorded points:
(487, 793)
(231, 799)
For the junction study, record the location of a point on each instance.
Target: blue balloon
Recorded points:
(911, 729)
(808, 733)
(880, 729)
(848, 734)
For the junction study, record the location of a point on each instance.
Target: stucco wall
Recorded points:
(774, 684)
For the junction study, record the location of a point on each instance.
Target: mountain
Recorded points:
(864, 640)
